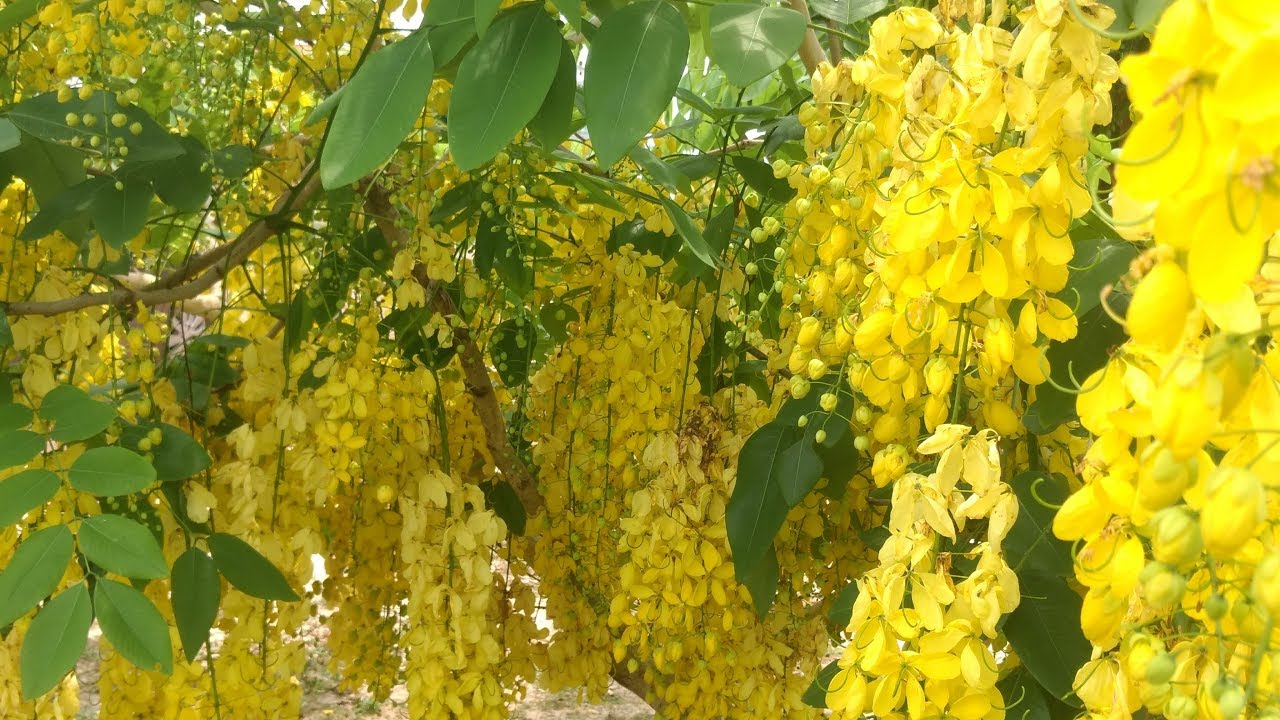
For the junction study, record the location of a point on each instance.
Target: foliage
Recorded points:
(719, 335)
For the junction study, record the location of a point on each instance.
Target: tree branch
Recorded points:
(835, 43)
(475, 372)
(811, 52)
(207, 269)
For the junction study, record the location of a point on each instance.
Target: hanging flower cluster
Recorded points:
(1176, 519)
(934, 657)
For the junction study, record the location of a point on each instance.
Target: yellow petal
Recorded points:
(1246, 83)
(937, 666)
(1225, 251)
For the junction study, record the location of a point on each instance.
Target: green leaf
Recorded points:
(452, 26)
(555, 318)
(847, 12)
(695, 167)
(177, 457)
(44, 117)
(199, 372)
(55, 641)
(233, 161)
(1146, 13)
(840, 463)
(133, 625)
(841, 610)
(635, 64)
(661, 172)
(505, 502)
(756, 509)
(1045, 632)
(34, 571)
(183, 182)
(1023, 697)
(798, 470)
(635, 234)
(74, 415)
(196, 594)
(10, 136)
(501, 84)
(119, 214)
(749, 41)
(762, 582)
(17, 12)
(694, 242)
(6, 332)
(451, 37)
(138, 508)
(325, 108)
(589, 185)
(67, 210)
(24, 492)
(486, 11)
(511, 348)
(47, 168)
(110, 471)
(816, 695)
(1031, 542)
(122, 546)
(19, 446)
(381, 104)
(14, 416)
(247, 570)
(780, 132)
(835, 423)
(572, 12)
(759, 177)
(553, 123)
(1098, 263)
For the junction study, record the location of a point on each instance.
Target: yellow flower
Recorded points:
(1235, 505)
(1158, 312)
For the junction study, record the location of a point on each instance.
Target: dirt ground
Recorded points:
(321, 699)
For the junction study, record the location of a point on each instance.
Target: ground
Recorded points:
(321, 699)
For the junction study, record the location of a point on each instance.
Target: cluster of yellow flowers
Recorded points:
(923, 261)
(1177, 517)
(928, 250)
(631, 551)
(935, 657)
(920, 252)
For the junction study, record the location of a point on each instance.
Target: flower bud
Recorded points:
(810, 333)
(1162, 478)
(1162, 586)
(1266, 584)
(938, 376)
(889, 464)
(816, 369)
(1233, 361)
(1234, 507)
(1160, 669)
(1176, 540)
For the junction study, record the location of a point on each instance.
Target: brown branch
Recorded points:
(835, 43)
(475, 372)
(811, 52)
(207, 269)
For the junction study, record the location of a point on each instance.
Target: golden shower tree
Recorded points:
(687, 344)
